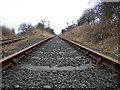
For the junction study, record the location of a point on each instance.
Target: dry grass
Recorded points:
(103, 36)
(6, 33)
(37, 33)
(34, 34)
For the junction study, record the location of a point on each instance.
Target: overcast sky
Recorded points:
(58, 12)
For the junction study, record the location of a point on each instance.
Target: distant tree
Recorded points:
(70, 27)
(88, 16)
(43, 22)
(81, 20)
(40, 26)
(30, 28)
(93, 16)
(25, 27)
(22, 27)
(63, 30)
(13, 30)
(108, 11)
(7, 32)
(48, 23)
(52, 31)
(48, 29)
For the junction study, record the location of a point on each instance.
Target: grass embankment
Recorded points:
(6, 33)
(37, 33)
(41, 34)
(103, 36)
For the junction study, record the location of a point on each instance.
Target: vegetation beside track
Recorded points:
(30, 34)
(99, 35)
(97, 27)
(6, 33)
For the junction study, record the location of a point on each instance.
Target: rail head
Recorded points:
(6, 59)
(106, 60)
(8, 41)
(100, 54)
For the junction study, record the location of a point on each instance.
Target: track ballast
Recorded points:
(58, 65)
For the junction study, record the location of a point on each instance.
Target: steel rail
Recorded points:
(100, 58)
(12, 41)
(8, 39)
(12, 60)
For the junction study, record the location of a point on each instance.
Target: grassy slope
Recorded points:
(41, 34)
(37, 33)
(34, 34)
(6, 33)
(102, 36)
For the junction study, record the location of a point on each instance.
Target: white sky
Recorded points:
(58, 12)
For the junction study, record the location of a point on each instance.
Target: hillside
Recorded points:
(99, 35)
(6, 33)
(37, 33)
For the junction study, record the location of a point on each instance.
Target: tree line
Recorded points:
(102, 12)
(27, 28)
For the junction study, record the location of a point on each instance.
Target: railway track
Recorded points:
(9, 41)
(100, 59)
(56, 64)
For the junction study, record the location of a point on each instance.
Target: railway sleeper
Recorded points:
(98, 63)
(27, 54)
(115, 67)
(98, 60)
(16, 64)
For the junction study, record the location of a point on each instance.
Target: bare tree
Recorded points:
(25, 27)
(108, 11)
(88, 16)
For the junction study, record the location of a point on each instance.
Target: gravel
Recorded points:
(57, 65)
(19, 46)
